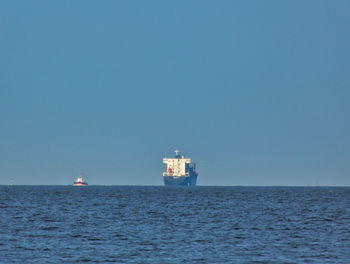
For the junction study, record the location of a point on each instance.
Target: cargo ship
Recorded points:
(179, 171)
(80, 181)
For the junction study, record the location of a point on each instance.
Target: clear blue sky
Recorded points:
(256, 92)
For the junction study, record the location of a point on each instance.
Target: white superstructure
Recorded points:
(80, 179)
(178, 166)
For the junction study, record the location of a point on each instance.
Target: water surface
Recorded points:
(129, 224)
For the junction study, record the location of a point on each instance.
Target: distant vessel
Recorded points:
(80, 181)
(179, 171)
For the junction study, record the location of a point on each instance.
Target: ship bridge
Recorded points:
(177, 166)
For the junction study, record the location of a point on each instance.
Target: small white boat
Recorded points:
(80, 181)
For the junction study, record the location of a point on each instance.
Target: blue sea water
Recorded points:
(129, 224)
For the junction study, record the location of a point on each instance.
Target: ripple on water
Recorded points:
(174, 225)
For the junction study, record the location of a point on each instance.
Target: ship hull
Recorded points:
(180, 181)
(80, 184)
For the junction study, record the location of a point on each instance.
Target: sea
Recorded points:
(160, 224)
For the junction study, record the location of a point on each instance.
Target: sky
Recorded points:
(255, 92)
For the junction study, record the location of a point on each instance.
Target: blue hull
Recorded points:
(180, 181)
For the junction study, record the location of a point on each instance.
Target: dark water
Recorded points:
(65, 224)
